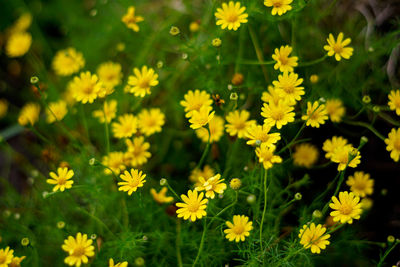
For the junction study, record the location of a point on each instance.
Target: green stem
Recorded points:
(293, 140)
(107, 132)
(178, 242)
(388, 119)
(85, 125)
(39, 135)
(205, 152)
(173, 191)
(265, 208)
(258, 50)
(310, 63)
(201, 241)
(367, 126)
(382, 260)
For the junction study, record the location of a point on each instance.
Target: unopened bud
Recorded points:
(251, 199)
(25, 241)
(34, 79)
(298, 196)
(366, 99)
(317, 214)
(233, 96)
(216, 42)
(92, 161)
(163, 181)
(174, 31)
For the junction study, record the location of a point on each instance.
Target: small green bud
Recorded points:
(34, 80)
(25, 241)
(298, 196)
(174, 31)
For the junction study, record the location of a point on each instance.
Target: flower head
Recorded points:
(316, 114)
(231, 15)
(161, 197)
(18, 44)
(56, 111)
(6, 256)
(289, 87)
(202, 117)
(314, 237)
(150, 121)
(79, 248)
(193, 101)
(61, 179)
(335, 109)
(338, 47)
(86, 87)
(330, 145)
(393, 144)
(29, 114)
(131, 21)
(206, 172)
(193, 206)
(283, 61)
(361, 184)
(108, 112)
(305, 155)
(16, 261)
(346, 209)
(110, 75)
(141, 82)
(266, 156)
(346, 156)
(259, 134)
(137, 153)
(216, 127)
(238, 123)
(394, 101)
(239, 229)
(67, 62)
(277, 114)
(131, 181)
(212, 185)
(114, 161)
(125, 127)
(272, 95)
(279, 7)
(235, 183)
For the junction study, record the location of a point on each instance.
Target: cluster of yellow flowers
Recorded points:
(7, 258)
(18, 39)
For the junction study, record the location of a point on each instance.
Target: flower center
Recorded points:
(88, 89)
(346, 209)
(3, 259)
(79, 251)
(238, 229)
(277, 115)
(283, 59)
(337, 48)
(134, 182)
(231, 17)
(193, 207)
(396, 144)
(145, 83)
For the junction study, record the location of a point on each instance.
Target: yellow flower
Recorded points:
(283, 61)
(235, 183)
(29, 114)
(137, 153)
(238, 123)
(16, 261)
(132, 181)
(109, 110)
(393, 144)
(18, 44)
(346, 209)
(125, 127)
(394, 101)
(131, 20)
(316, 114)
(115, 161)
(121, 264)
(150, 121)
(277, 114)
(79, 249)
(58, 111)
(194, 26)
(272, 95)
(361, 184)
(314, 78)
(279, 7)
(110, 75)
(342, 155)
(212, 185)
(206, 173)
(193, 206)
(338, 47)
(6, 256)
(202, 117)
(288, 86)
(305, 155)
(61, 179)
(335, 109)
(67, 62)
(366, 203)
(216, 126)
(142, 80)
(239, 229)
(266, 156)
(161, 196)
(314, 237)
(194, 101)
(231, 15)
(86, 87)
(259, 134)
(3, 107)
(330, 145)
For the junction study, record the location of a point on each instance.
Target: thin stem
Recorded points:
(382, 260)
(201, 241)
(293, 140)
(178, 242)
(173, 191)
(265, 207)
(367, 126)
(252, 62)
(258, 51)
(107, 131)
(39, 135)
(310, 63)
(205, 152)
(85, 125)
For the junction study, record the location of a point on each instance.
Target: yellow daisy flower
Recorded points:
(305, 155)
(120, 264)
(338, 47)
(202, 117)
(109, 110)
(361, 184)
(394, 101)
(125, 127)
(137, 153)
(272, 95)
(110, 75)
(212, 185)
(150, 121)
(316, 114)
(335, 109)
(115, 161)
(239, 229)
(283, 61)
(131, 20)
(6, 256)
(266, 156)
(86, 87)
(194, 101)
(330, 145)
(279, 7)
(238, 123)
(18, 44)
(131, 181)
(58, 111)
(161, 196)
(346, 209)
(29, 114)
(260, 134)
(79, 249)
(342, 155)
(3, 107)
(16, 261)
(216, 126)
(231, 15)
(67, 62)
(61, 179)
(141, 82)
(366, 203)
(207, 172)
(288, 86)
(314, 237)
(277, 114)
(193, 206)
(393, 144)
